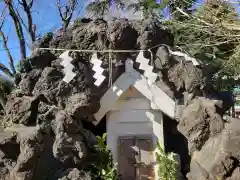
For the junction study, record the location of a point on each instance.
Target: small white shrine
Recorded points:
(134, 108)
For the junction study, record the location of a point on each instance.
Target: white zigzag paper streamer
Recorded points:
(97, 69)
(148, 70)
(68, 67)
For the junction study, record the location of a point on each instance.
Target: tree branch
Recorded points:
(59, 9)
(10, 58)
(232, 27)
(30, 4)
(27, 9)
(18, 28)
(67, 14)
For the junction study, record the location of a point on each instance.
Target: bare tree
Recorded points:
(27, 5)
(5, 40)
(10, 58)
(66, 11)
(6, 84)
(18, 27)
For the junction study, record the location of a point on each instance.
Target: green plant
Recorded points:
(166, 165)
(98, 8)
(6, 86)
(207, 35)
(102, 167)
(237, 102)
(78, 21)
(18, 67)
(149, 7)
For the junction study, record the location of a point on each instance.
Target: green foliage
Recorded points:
(6, 87)
(206, 35)
(5, 70)
(237, 102)
(152, 9)
(149, 7)
(225, 83)
(78, 21)
(98, 8)
(182, 4)
(166, 165)
(102, 167)
(19, 67)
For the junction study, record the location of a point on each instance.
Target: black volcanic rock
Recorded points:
(54, 112)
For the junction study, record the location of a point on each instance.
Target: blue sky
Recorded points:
(46, 18)
(44, 15)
